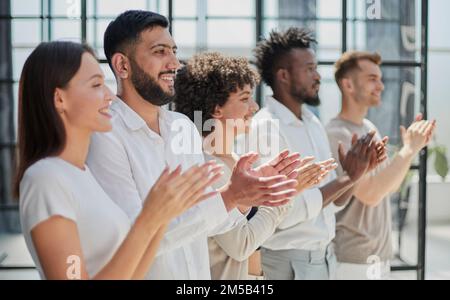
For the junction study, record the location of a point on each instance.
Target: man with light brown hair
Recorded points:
(363, 243)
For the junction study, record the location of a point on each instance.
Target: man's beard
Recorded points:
(302, 97)
(147, 87)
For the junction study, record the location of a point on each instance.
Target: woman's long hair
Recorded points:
(41, 130)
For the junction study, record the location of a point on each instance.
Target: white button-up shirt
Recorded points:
(127, 162)
(308, 226)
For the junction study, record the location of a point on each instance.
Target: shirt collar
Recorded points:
(284, 114)
(131, 118)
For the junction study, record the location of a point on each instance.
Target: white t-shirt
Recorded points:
(53, 187)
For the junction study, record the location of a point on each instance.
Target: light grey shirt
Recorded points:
(361, 231)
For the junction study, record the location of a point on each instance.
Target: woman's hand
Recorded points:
(174, 192)
(284, 164)
(313, 174)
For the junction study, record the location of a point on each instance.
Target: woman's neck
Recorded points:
(76, 148)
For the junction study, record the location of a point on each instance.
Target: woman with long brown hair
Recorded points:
(71, 227)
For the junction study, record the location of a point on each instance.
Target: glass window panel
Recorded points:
(116, 7)
(387, 10)
(101, 28)
(274, 24)
(185, 35)
(356, 9)
(160, 6)
(184, 8)
(271, 8)
(392, 40)
(293, 9)
(66, 30)
(90, 34)
(268, 26)
(328, 34)
(328, 54)
(329, 9)
(26, 8)
(19, 57)
(235, 37)
(396, 35)
(66, 8)
(329, 95)
(26, 32)
(241, 8)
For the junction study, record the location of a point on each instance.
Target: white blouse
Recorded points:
(53, 187)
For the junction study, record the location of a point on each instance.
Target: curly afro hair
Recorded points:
(207, 80)
(269, 52)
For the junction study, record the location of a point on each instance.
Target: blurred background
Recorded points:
(409, 34)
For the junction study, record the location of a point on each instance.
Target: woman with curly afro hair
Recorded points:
(215, 92)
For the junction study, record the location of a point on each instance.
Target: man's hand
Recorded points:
(284, 164)
(357, 161)
(313, 174)
(418, 135)
(379, 155)
(247, 189)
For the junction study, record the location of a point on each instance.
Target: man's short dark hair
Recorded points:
(125, 30)
(269, 52)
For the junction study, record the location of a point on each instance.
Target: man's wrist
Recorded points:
(408, 152)
(347, 178)
(228, 199)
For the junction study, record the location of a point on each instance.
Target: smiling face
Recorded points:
(367, 86)
(154, 65)
(240, 106)
(84, 103)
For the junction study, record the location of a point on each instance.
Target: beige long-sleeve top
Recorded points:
(229, 252)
